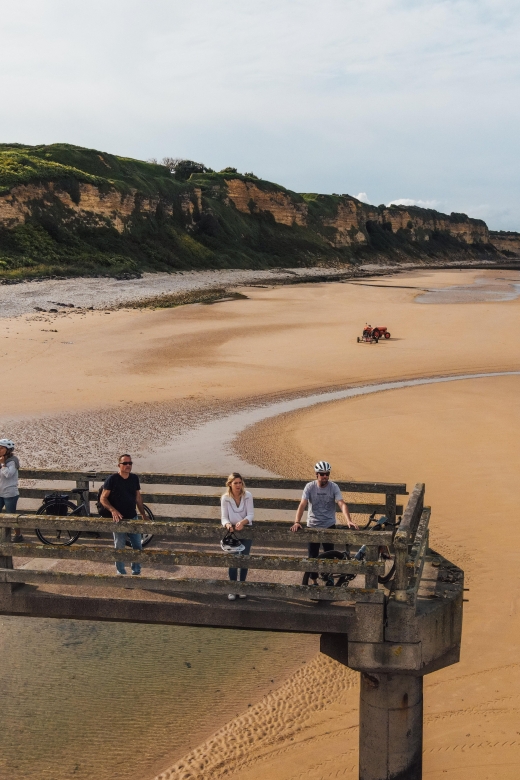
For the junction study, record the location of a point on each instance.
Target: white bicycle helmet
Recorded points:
(7, 443)
(231, 544)
(322, 465)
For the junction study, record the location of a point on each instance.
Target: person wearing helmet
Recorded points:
(320, 498)
(237, 511)
(9, 465)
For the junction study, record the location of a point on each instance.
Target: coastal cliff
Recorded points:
(68, 210)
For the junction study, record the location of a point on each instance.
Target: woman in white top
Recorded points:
(237, 512)
(9, 465)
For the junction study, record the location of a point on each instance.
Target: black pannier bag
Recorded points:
(102, 510)
(56, 503)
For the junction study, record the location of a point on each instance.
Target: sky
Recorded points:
(405, 101)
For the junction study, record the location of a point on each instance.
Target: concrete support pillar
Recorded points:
(390, 727)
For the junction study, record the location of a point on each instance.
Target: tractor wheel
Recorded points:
(376, 334)
(387, 335)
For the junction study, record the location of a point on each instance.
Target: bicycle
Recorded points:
(59, 504)
(336, 580)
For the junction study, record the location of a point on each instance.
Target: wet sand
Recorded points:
(137, 380)
(461, 438)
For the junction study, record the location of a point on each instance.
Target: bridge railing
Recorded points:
(202, 531)
(410, 546)
(83, 479)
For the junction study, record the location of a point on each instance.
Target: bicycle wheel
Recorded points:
(383, 579)
(57, 536)
(146, 538)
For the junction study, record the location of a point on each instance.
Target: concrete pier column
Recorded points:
(390, 727)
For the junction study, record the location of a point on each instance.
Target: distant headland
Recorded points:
(66, 211)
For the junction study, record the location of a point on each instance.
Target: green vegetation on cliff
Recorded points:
(66, 210)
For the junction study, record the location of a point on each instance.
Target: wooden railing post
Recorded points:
(404, 537)
(391, 503)
(401, 575)
(372, 554)
(6, 561)
(83, 484)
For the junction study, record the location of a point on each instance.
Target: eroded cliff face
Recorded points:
(333, 226)
(248, 197)
(349, 224)
(507, 242)
(87, 201)
(351, 216)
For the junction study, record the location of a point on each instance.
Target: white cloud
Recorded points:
(363, 197)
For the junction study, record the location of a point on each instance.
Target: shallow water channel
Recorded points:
(482, 290)
(121, 701)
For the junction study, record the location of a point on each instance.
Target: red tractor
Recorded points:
(372, 335)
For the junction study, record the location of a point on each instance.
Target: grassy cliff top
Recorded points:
(21, 164)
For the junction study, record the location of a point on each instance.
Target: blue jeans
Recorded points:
(120, 542)
(9, 503)
(243, 572)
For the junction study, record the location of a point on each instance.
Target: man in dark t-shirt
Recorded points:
(122, 497)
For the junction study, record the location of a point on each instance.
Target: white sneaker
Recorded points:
(231, 596)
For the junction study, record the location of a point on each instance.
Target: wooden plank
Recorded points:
(85, 552)
(418, 555)
(412, 514)
(190, 499)
(6, 561)
(213, 481)
(405, 536)
(187, 585)
(198, 530)
(372, 555)
(391, 507)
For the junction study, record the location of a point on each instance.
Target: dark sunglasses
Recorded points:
(126, 463)
(324, 473)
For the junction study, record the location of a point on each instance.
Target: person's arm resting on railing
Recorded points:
(346, 514)
(250, 510)
(224, 506)
(116, 516)
(140, 505)
(299, 514)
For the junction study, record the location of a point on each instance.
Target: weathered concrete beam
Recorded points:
(85, 552)
(203, 610)
(274, 483)
(196, 530)
(191, 499)
(419, 637)
(186, 585)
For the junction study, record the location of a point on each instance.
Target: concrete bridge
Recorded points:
(392, 630)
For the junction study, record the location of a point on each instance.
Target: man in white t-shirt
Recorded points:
(320, 498)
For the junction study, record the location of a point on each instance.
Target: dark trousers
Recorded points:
(313, 552)
(243, 572)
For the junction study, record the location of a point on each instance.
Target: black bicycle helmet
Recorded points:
(231, 544)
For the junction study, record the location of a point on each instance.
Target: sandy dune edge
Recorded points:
(310, 700)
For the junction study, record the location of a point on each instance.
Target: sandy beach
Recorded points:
(88, 384)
